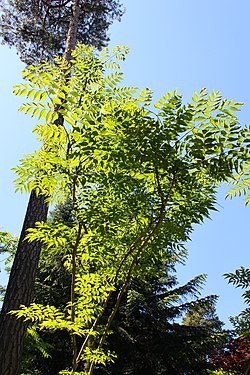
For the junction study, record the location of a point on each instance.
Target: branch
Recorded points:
(72, 295)
(59, 5)
(158, 184)
(134, 263)
(128, 277)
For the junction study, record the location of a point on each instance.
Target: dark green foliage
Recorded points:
(38, 28)
(148, 339)
(63, 213)
(240, 278)
(58, 347)
(203, 315)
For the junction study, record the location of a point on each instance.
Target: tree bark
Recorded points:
(72, 32)
(20, 289)
(22, 277)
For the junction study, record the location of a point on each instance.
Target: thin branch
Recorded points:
(72, 296)
(127, 280)
(96, 322)
(61, 5)
(134, 263)
(159, 188)
(94, 325)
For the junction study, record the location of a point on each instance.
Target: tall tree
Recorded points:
(60, 18)
(138, 182)
(38, 28)
(147, 313)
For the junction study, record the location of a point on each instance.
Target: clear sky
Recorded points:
(183, 44)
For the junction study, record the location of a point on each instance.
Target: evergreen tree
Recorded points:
(148, 338)
(203, 315)
(38, 28)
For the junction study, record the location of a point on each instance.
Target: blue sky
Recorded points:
(179, 44)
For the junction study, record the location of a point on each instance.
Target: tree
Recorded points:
(203, 315)
(148, 339)
(38, 28)
(234, 357)
(21, 282)
(138, 182)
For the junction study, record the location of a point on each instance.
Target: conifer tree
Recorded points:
(38, 28)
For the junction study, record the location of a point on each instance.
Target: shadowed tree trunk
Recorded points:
(22, 277)
(20, 289)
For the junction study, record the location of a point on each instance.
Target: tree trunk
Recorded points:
(20, 289)
(72, 32)
(22, 277)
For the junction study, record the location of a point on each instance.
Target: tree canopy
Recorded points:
(38, 28)
(138, 180)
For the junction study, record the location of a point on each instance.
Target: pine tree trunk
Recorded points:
(20, 289)
(72, 32)
(22, 277)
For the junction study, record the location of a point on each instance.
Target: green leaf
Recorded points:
(42, 114)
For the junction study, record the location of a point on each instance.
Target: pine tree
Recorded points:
(38, 28)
